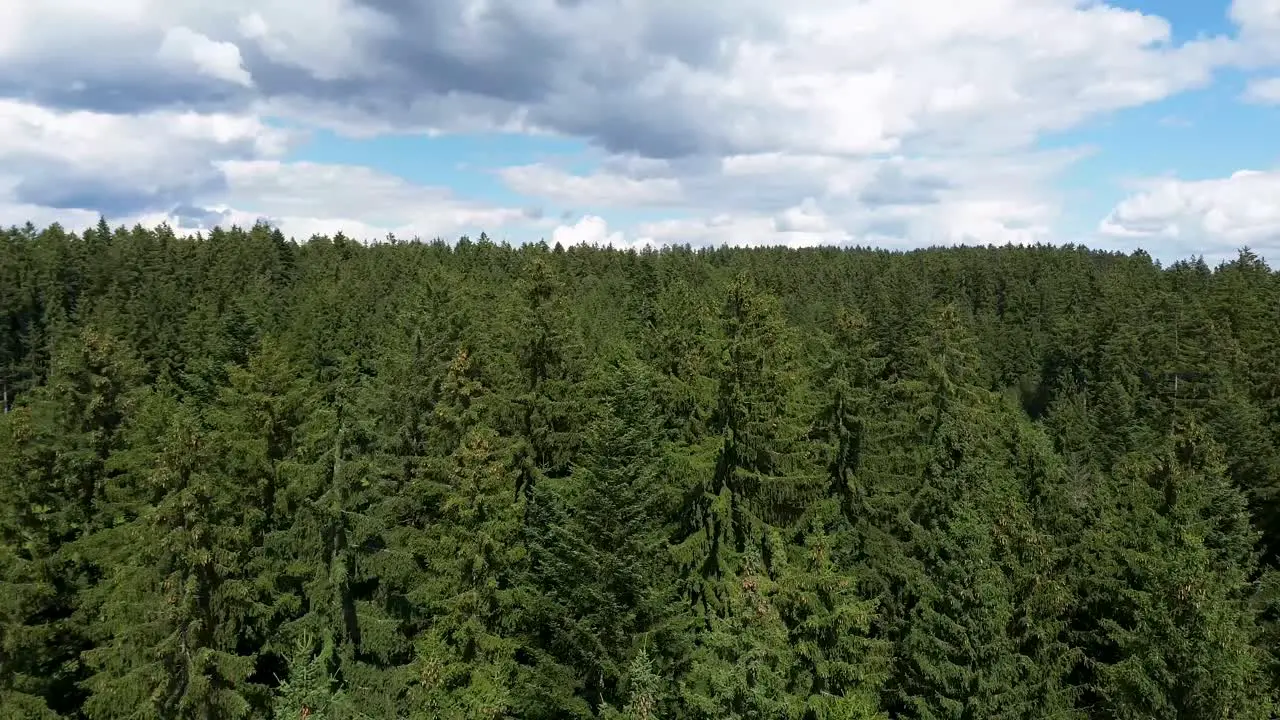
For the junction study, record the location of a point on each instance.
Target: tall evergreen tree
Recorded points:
(1174, 626)
(465, 660)
(599, 570)
(170, 612)
(437, 480)
(550, 413)
(55, 482)
(967, 532)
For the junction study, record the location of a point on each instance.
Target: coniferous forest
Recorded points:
(248, 477)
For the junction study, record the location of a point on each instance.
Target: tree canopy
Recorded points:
(243, 477)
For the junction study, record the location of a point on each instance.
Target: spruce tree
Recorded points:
(57, 478)
(310, 690)
(464, 662)
(27, 644)
(967, 533)
(550, 414)
(599, 575)
(850, 381)
(1174, 626)
(764, 482)
(644, 689)
(170, 611)
(333, 543)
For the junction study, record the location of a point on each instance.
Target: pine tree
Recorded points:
(828, 620)
(466, 657)
(26, 589)
(56, 477)
(644, 687)
(551, 415)
(89, 395)
(850, 381)
(837, 667)
(741, 665)
(675, 343)
(488, 481)
(332, 546)
(959, 659)
(1047, 568)
(761, 472)
(765, 481)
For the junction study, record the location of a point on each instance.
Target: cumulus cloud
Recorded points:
(599, 189)
(666, 79)
(1265, 91)
(662, 79)
(123, 164)
(765, 122)
(797, 227)
(306, 198)
(1256, 17)
(589, 230)
(786, 199)
(1258, 41)
(219, 60)
(124, 56)
(1211, 216)
(331, 41)
(195, 170)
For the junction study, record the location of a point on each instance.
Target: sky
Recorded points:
(890, 123)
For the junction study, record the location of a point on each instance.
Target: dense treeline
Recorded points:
(242, 477)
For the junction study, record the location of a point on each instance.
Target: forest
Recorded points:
(250, 477)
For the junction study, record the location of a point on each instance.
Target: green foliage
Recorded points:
(169, 612)
(310, 690)
(464, 661)
(1176, 550)
(246, 477)
(597, 546)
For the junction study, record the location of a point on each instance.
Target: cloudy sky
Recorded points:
(897, 123)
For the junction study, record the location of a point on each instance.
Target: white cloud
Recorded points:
(589, 230)
(123, 164)
(598, 189)
(326, 38)
(220, 60)
(1213, 217)
(776, 198)
(720, 77)
(744, 230)
(799, 122)
(30, 25)
(1258, 43)
(869, 76)
(805, 218)
(1257, 17)
(165, 166)
(752, 77)
(308, 197)
(305, 199)
(1265, 91)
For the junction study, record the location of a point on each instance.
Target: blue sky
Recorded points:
(898, 123)
(1198, 135)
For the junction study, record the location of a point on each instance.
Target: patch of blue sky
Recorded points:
(466, 164)
(1189, 19)
(1198, 135)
